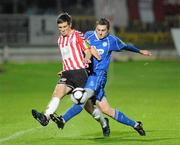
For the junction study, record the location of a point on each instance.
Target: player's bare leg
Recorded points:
(59, 92)
(120, 117)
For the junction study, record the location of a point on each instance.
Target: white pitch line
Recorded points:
(17, 134)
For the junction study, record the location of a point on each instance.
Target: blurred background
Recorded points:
(28, 30)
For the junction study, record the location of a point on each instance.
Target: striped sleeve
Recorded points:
(82, 41)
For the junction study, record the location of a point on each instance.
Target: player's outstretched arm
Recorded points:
(145, 52)
(135, 49)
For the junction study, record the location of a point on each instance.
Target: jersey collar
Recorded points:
(97, 36)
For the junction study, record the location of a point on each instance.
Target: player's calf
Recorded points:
(104, 122)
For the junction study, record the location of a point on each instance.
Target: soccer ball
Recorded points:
(78, 96)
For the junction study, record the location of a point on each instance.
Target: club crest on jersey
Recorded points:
(91, 83)
(104, 44)
(100, 51)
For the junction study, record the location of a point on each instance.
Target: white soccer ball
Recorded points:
(78, 96)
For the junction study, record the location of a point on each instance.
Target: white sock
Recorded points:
(99, 117)
(52, 107)
(136, 124)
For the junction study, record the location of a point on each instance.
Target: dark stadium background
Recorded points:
(145, 23)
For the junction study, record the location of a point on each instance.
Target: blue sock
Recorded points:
(120, 117)
(71, 112)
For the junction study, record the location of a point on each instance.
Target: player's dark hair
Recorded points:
(103, 21)
(64, 17)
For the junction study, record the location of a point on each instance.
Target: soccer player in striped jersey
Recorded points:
(105, 44)
(73, 47)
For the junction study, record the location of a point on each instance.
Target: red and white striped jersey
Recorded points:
(71, 48)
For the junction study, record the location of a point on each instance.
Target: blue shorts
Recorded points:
(97, 81)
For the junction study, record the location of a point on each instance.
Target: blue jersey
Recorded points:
(105, 47)
(98, 77)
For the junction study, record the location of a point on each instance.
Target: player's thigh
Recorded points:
(92, 83)
(61, 90)
(100, 93)
(105, 107)
(96, 82)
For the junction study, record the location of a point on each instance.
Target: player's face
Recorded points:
(64, 28)
(101, 31)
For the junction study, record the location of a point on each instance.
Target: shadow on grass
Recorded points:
(131, 137)
(117, 137)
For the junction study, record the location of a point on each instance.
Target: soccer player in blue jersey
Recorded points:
(105, 43)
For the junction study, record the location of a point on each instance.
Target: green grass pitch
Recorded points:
(144, 90)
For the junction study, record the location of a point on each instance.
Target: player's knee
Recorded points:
(59, 92)
(90, 92)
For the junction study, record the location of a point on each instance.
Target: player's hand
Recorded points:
(87, 60)
(145, 52)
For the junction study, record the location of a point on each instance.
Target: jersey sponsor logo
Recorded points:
(100, 51)
(66, 52)
(104, 44)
